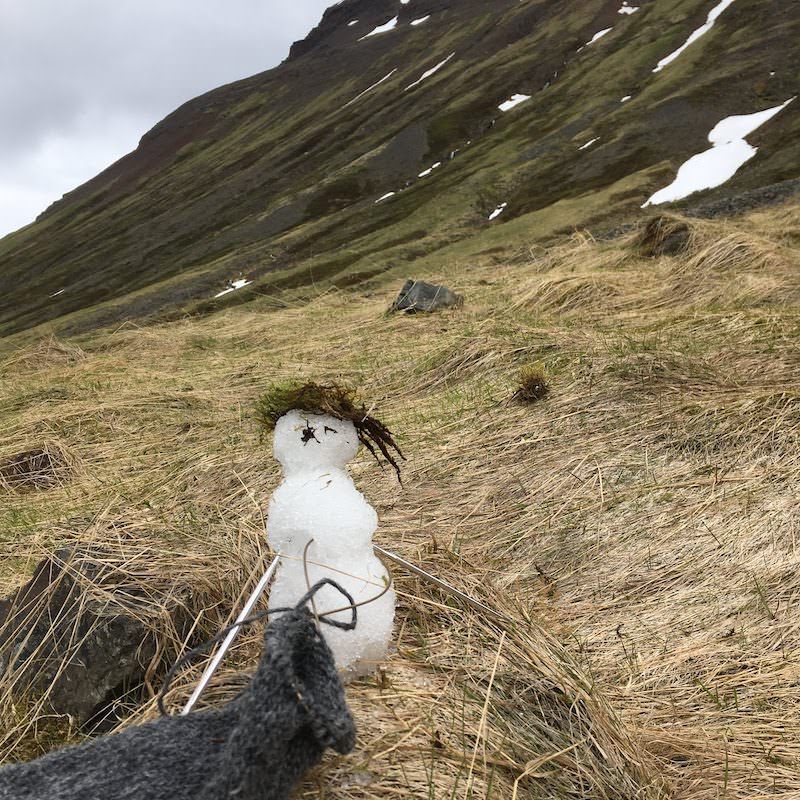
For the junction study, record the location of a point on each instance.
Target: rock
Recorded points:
(418, 296)
(82, 652)
(742, 202)
(665, 236)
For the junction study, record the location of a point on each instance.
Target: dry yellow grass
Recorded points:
(640, 522)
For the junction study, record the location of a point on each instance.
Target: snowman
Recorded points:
(319, 503)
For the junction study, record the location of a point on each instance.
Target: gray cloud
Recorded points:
(81, 81)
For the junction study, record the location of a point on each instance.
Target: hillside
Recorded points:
(639, 523)
(274, 179)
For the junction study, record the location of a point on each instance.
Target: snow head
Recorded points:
(305, 442)
(319, 503)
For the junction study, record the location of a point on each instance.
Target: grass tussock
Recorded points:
(576, 293)
(669, 261)
(735, 269)
(533, 385)
(45, 353)
(113, 569)
(641, 529)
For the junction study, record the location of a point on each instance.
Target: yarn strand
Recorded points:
(306, 598)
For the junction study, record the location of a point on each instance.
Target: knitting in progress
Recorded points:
(257, 747)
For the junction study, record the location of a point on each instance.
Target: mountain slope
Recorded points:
(275, 178)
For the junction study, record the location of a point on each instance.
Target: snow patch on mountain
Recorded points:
(425, 173)
(498, 211)
(513, 101)
(701, 31)
(713, 167)
(598, 35)
(234, 285)
(428, 73)
(387, 26)
(370, 88)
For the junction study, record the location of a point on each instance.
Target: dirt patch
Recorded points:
(37, 469)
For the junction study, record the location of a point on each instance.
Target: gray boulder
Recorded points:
(82, 653)
(418, 296)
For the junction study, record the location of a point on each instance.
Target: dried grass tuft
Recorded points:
(732, 268)
(46, 353)
(577, 293)
(533, 385)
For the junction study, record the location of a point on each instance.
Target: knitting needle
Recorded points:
(470, 601)
(264, 582)
(226, 644)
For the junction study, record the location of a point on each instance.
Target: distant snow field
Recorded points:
(626, 9)
(237, 284)
(420, 20)
(498, 211)
(514, 100)
(385, 197)
(722, 161)
(56, 294)
(352, 22)
(701, 31)
(387, 26)
(626, 98)
(589, 143)
(428, 73)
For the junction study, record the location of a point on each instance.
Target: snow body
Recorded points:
(318, 500)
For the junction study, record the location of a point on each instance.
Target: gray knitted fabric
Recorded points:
(255, 748)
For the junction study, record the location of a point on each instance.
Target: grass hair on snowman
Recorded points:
(334, 400)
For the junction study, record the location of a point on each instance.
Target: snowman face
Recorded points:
(305, 442)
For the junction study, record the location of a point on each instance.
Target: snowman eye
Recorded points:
(308, 434)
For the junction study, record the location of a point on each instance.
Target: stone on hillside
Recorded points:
(665, 236)
(82, 652)
(418, 296)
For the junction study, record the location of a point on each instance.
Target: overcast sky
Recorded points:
(82, 80)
